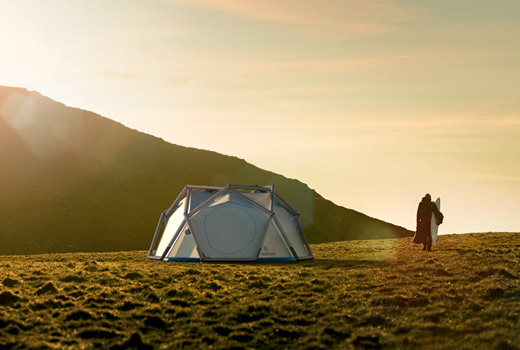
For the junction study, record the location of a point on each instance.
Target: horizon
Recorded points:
(372, 104)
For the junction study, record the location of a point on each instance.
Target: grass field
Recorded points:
(376, 294)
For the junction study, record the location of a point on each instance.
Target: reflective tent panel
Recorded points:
(172, 225)
(274, 247)
(261, 198)
(229, 228)
(197, 198)
(184, 248)
(289, 226)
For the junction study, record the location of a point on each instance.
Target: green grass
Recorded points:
(376, 294)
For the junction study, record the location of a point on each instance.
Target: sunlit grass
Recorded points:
(375, 294)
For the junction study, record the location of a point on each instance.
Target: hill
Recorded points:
(72, 180)
(369, 294)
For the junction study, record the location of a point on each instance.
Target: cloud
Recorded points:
(112, 74)
(361, 16)
(484, 177)
(465, 123)
(251, 67)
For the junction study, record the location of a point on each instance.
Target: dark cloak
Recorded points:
(424, 220)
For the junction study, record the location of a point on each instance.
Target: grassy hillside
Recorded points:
(72, 180)
(370, 294)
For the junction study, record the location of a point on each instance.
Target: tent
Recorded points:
(232, 223)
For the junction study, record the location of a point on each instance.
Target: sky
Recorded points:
(372, 103)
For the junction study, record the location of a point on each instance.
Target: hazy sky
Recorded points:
(372, 103)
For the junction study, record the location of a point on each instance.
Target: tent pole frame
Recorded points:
(172, 241)
(207, 201)
(190, 212)
(290, 207)
(300, 230)
(250, 201)
(151, 255)
(164, 220)
(264, 234)
(195, 239)
(284, 235)
(176, 202)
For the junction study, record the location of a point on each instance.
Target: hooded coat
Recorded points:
(424, 219)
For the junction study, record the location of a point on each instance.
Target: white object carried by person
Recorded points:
(435, 223)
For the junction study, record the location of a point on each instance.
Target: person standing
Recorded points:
(423, 232)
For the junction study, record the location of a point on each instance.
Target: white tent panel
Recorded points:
(172, 226)
(261, 198)
(228, 197)
(184, 248)
(288, 223)
(224, 198)
(274, 247)
(229, 228)
(197, 198)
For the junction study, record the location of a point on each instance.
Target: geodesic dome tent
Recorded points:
(232, 223)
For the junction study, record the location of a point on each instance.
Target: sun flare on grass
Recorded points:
(358, 294)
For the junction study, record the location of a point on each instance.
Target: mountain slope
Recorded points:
(71, 180)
